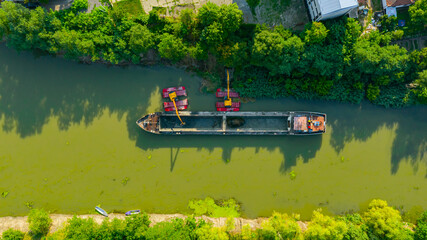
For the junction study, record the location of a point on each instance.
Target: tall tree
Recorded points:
(171, 47)
(384, 222)
(418, 14)
(315, 33)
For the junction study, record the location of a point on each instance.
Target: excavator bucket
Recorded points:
(172, 96)
(227, 102)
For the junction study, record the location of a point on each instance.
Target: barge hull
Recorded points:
(235, 123)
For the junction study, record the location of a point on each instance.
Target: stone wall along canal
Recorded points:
(68, 142)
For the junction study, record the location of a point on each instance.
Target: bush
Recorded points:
(136, 226)
(325, 227)
(12, 234)
(176, 229)
(79, 5)
(39, 221)
(356, 227)
(384, 222)
(81, 229)
(421, 229)
(211, 233)
(171, 47)
(372, 92)
(227, 208)
(280, 226)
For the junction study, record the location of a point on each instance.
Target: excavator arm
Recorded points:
(172, 97)
(228, 102)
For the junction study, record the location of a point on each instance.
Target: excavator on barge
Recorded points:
(227, 120)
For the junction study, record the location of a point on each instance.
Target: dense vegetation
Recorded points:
(379, 221)
(331, 60)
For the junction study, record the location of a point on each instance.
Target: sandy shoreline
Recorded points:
(59, 220)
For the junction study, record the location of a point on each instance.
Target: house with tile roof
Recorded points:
(391, 6)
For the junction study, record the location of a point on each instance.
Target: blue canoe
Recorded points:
(101, 211)
(132, 212)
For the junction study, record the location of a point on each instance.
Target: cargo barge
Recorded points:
(235, 123)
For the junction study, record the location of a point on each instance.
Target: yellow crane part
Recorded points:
(227, 102)
(172, 97)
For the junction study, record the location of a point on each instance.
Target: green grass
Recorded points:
(133, 7)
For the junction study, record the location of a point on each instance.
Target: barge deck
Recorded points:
(235, 123)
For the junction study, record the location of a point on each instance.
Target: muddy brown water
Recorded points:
(68, 142)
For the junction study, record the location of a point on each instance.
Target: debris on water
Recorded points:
(4, 194)
(29, 204)
(292, 175)
(125, 181)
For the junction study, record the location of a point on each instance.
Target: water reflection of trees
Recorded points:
(359, 122)
(32, 91)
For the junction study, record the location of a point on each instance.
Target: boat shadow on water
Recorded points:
(293, 148)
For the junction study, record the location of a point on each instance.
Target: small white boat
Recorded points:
(101, 211)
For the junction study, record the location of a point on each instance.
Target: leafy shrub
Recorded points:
(176, 229)
(12, 234)
(79, 5)
(418, 14)
(39, 222)
(315, 33)
(171, 47)
(372, 92)
(356, 227)
(421, 87)
(384, 222)
(113, 229)
(82, 229)
(136, 226)
(421, 229)
(247, 233)
(325, 227)
(280, 226)
(209, 232)
(227, 208)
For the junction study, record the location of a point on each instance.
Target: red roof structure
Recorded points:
(396, 3)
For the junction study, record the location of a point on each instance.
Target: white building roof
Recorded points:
(328, 6)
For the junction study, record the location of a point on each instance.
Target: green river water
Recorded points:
(68, 142)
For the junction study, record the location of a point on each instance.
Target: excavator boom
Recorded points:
(172, 97)
(228, 102)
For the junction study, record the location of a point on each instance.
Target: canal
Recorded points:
(68, 142)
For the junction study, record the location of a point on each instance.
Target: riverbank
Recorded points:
(59, 221)
(329, 61)
(379, 221)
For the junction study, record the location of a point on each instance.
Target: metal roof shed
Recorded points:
(327, 9)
